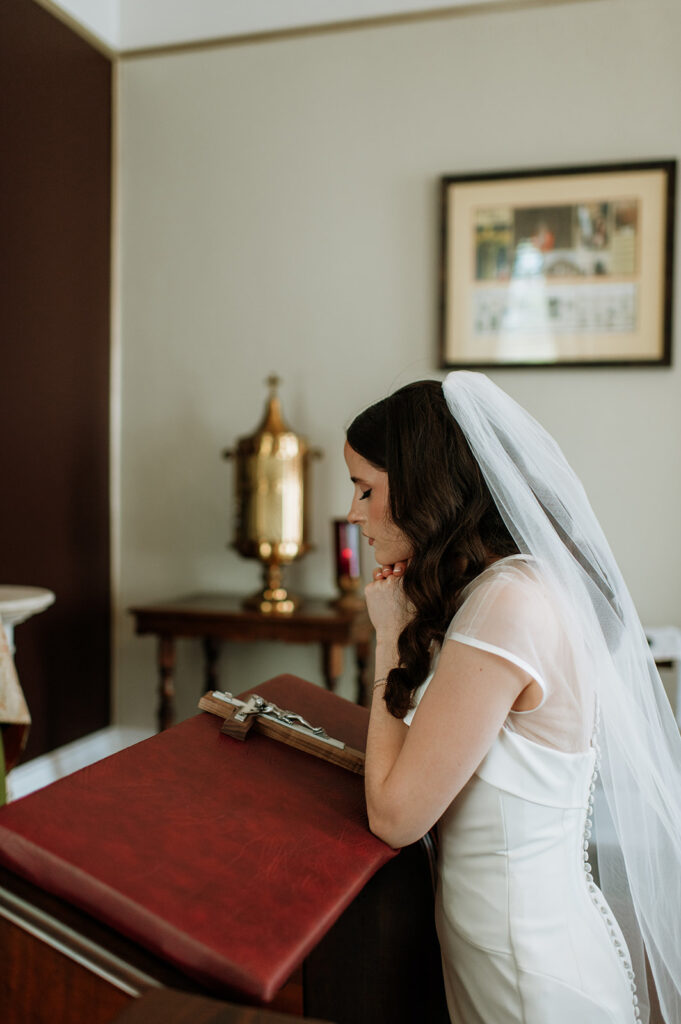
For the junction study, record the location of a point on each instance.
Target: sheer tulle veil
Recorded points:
(637, 818)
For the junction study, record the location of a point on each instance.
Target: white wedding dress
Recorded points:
(526, 935)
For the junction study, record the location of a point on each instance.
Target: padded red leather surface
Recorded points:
(229, 859)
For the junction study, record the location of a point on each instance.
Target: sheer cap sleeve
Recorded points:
(509, 611)
(504, 611)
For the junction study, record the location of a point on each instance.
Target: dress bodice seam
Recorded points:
(543, 746)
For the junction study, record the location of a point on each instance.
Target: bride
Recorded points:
(511, 669)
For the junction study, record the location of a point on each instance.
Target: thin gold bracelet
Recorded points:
(380, 682)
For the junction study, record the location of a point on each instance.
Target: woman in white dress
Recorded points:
(504, 634)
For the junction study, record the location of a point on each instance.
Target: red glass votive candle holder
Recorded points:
(347, 547)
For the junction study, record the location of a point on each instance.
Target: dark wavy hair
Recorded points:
(440, 501)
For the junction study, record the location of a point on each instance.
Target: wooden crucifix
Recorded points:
(285, 726)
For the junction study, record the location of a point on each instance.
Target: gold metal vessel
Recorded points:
(272, 512)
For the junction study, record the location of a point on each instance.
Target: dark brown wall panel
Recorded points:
(55, 188)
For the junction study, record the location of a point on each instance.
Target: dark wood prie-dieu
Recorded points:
(242, 870)
(379, 964)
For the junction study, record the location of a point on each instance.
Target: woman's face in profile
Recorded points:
(370, 508)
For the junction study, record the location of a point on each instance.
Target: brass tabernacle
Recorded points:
(271, 502)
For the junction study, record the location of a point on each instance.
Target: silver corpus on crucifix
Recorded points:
(256, 705)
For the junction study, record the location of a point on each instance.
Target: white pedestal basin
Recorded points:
(18, 604)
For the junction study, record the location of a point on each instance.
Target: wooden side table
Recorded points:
(220, 617)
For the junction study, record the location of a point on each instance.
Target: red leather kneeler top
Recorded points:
(229, 859)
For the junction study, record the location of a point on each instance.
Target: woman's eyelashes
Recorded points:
(365, 494)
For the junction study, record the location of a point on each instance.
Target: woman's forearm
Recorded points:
(387, 658)
(384, 742)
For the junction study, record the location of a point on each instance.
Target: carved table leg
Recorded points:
(362, 656)
(166, 666)
(333, 664)
(211, 650)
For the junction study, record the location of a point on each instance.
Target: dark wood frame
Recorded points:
(662, 356)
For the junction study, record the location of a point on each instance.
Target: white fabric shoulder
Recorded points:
(506, 610)
(510, 611)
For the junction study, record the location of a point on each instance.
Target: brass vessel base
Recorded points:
(274, 598)
(263, 602)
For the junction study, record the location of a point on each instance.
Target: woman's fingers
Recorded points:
(389, 570)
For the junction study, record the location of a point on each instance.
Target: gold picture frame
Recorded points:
(558, 267)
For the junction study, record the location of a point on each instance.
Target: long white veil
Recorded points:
(638, 816)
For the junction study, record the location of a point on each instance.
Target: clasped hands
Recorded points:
(389, 608)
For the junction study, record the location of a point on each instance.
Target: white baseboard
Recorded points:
(47, 768)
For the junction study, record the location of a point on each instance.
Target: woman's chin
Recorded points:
(389, 557)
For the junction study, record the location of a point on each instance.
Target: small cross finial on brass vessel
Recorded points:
(273, 381)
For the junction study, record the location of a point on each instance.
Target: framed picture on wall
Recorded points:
(558, 267)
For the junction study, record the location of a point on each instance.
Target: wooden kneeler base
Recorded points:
(168, 1006)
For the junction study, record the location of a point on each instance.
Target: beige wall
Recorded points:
(278, 211)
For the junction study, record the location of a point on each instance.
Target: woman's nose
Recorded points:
(353, 515)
